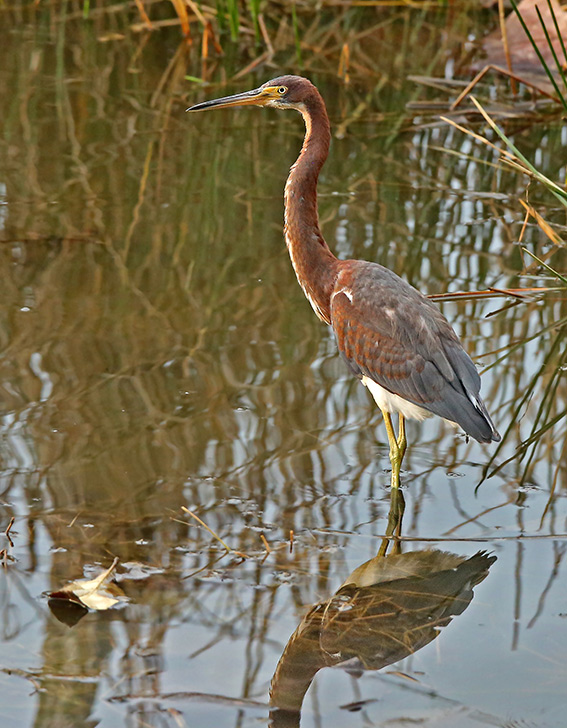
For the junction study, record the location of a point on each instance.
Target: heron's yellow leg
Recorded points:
(395, 458)
(402, 442)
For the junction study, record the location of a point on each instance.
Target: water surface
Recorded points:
(156, 352)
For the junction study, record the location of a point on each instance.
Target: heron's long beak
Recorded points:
(256, 97)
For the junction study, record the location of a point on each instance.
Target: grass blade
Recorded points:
(254, 6)
(233, 18)
(553, 272)
(559, 35)
(551, 48)
(554, 188)
(539, 55)
(296, 34)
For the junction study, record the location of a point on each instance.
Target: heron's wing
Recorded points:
(389, 332)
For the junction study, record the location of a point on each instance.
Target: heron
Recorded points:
(392, 338)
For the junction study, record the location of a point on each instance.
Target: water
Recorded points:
(157, 353)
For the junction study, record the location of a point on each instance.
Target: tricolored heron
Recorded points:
(391, 336)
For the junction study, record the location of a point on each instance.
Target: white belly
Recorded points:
(389, 402)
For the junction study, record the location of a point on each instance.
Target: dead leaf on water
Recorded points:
(97, 594)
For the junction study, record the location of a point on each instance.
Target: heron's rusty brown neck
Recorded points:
(315, 265)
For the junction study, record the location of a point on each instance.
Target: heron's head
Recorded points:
(284, 92)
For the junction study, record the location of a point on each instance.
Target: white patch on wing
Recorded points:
(389, 402)
(348, 293)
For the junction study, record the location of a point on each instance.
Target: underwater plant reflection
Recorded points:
(388, 608)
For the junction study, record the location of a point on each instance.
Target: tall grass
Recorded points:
(545, 66)
(542, 393)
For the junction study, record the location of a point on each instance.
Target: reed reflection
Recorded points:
(388, 608)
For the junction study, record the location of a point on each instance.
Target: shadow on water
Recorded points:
(388, 608)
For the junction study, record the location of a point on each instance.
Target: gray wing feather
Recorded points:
(388, 331)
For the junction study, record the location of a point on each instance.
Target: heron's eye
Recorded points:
(282, 90)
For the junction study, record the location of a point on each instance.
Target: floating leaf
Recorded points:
(94, 594)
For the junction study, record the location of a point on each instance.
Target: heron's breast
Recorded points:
(390, 402)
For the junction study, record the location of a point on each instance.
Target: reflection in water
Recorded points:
(388, 608)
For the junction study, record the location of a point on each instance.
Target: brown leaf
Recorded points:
(92, 593)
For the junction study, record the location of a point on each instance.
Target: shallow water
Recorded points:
(156, 353)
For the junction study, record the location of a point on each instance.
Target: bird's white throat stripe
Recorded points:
(389, 402)
(290, 250)
(306, 291)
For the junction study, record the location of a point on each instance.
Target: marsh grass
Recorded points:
(332, 36)
(559, 66)
(538, 88)
(544, 393)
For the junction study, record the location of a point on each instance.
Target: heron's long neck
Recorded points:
(314, 264)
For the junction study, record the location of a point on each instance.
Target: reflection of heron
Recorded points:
(391, 337)
(387, 609)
